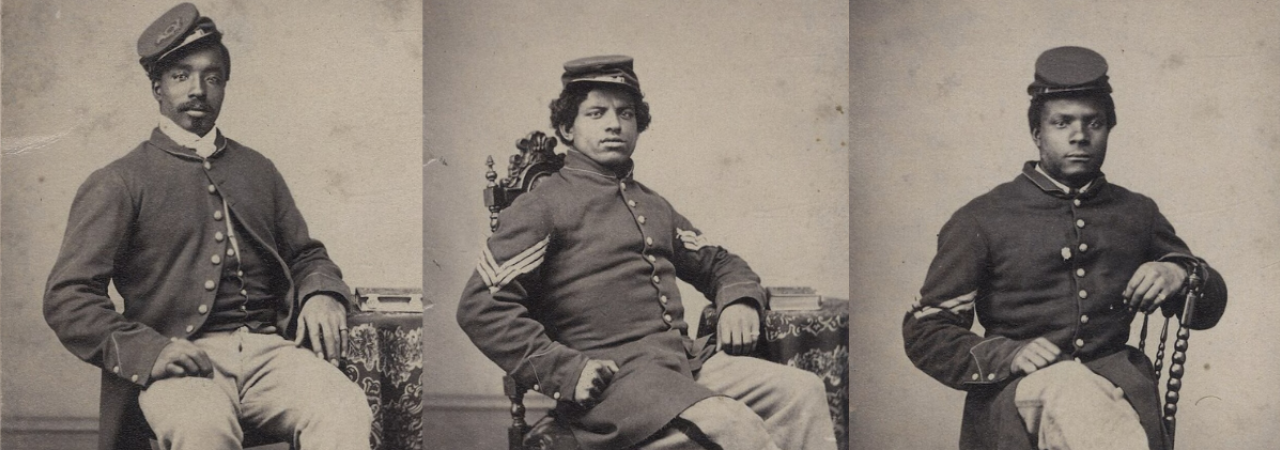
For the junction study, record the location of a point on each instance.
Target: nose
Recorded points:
(1078, 133)
(197, 89)
(611, 121)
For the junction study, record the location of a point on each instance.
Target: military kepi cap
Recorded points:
(608, 69)
(178, 28)
(1070, 69)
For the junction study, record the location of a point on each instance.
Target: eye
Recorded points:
(594, 113)
(1096, 124)
(627, 114)
(1059, 123)
(214, 80)
(180, 76)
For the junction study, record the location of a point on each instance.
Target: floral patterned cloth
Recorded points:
(816, 341)
(384, 357)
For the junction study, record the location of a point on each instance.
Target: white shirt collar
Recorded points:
(1065, 188)
(204, 146)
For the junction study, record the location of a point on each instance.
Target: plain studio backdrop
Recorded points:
(938, 117)
(748, 141)
(328, 90)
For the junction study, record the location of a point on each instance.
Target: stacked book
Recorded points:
(793, 298)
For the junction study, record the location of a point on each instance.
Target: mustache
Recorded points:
(195, 105)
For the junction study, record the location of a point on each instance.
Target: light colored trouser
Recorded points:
(1071, 408)
(265, 382)
(765, 406)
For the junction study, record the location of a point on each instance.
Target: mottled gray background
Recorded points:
(938, 117)
(329, 90)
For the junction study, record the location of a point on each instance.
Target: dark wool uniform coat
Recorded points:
(151, 222)
(585, 266)
(1032, 261)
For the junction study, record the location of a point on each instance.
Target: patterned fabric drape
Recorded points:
(384, 357)
(816, 341)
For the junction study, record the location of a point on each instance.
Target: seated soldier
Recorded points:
(575, 295)
(221, 281)
(1055, 265)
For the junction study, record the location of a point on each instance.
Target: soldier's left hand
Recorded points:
(1152, 284)
(323, 322)
(738, 328)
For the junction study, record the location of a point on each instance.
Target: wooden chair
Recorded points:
(1177, 364)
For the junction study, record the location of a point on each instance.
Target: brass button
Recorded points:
(231, 252)
(631, 203)
(208, 285)
(651, 258)
(203, 309)
(991, 376)
(1079, 342)
(218, 236)
(190, 327)
(213, 189)
(640, 219)
(974, 377)
(217, 215)
(244, 292)
(134, 378)
(1066, 253)
(663, 299)
(648, 242)
(1080, 272)
(239, 273)
(656, 279)
(1084, 318)
(666, 318)
(556, 396)
(116, 369)
(1079, 223)
(1084, 294)
(1076, 201)
(215, 259)
(1084, 247)
(208, 165)
(537, 388)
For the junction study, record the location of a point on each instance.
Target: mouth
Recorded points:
(197, 109)
(612, 141)
(1078, 157)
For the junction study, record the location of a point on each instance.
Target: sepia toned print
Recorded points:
(317, 90)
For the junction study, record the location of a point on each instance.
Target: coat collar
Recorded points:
(1051, 187)
(162, 141)
(576, 161)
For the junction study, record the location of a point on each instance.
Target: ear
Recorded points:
(566, 132)
(155, 89)
(1035, 137)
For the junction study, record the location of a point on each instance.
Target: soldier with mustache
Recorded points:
(1055, 265)
(233, 315)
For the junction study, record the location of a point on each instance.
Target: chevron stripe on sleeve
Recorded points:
(498, 275)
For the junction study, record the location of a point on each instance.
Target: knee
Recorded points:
(346, 403)
(188, 406)
(803, 386)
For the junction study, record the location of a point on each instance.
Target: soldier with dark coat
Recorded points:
(1055, 265)
(576, 296)
(220, 280)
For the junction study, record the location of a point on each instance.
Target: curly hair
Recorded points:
(1036, 110)
(565, 108)
(161, 66)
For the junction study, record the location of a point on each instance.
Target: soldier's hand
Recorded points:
(181, 358)
(596, 376)
(323, 322)
(1152, 283)
(1035, 355)
(738, 328)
